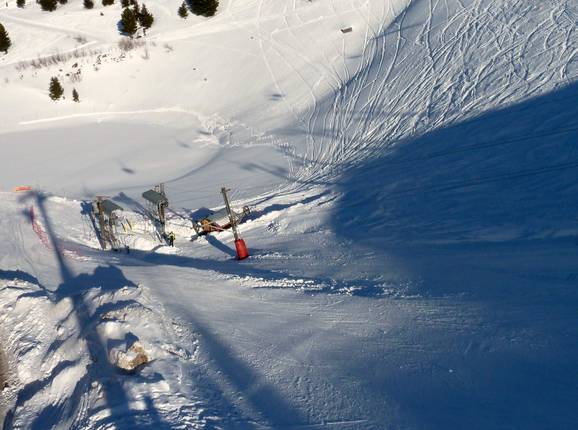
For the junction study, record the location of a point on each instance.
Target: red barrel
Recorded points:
(242, 251)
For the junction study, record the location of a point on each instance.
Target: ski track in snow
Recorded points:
(423, 67)
(363, 118)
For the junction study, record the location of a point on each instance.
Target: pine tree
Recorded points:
(5, 41)
(125, 3)
(75, 95)
(107, 2)
(145, 18)
(48, 5)
(88, 4)
(55, 90)
(62, 1)
(183, 12)
(128, 21)
(204, 7)
(20, 3)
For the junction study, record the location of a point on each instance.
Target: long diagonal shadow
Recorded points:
(261, 396)
(218, 408)
(100, 369)
(213, 241)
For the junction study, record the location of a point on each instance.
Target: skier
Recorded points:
(171, 238)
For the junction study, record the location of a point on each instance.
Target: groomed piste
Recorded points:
(411, 172)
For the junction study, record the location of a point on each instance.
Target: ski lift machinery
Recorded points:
(158, 198)
(220, 220)
(224, 219)
(105, 211)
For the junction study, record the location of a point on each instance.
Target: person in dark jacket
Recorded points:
(171, 239)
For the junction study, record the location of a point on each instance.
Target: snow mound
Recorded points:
(58, 349)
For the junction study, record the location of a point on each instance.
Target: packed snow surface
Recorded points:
(412, 184)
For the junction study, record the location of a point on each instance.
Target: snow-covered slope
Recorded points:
(412, 235)
(199, 86)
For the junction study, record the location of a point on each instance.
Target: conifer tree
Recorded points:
(88, 4)
(125, 3)
(75, 95)
(204, 7)
(5, 41)
(145, 18)
(48, 5)
(128, 22)
(183, 12)
(55, 90)
(20, 3)
(62, 1)
(107, 2)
